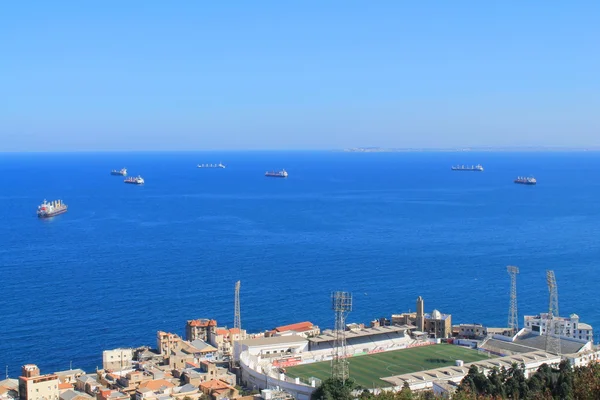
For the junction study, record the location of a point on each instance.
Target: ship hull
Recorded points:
(117, 174)
(526, 183)
(469, 170)
(134, 183)
(52, 214)
(276, 176)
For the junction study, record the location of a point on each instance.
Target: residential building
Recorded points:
(110, 394)
(222, 339)
(87, 383)
(199, 329)
(167, 342)
(218, 390)
(117, 359)
(69, 376)
(75, 395)
(569, 327)
(306, 329)
(9, 389)
(33, 386)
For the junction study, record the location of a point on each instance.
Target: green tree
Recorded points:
(334, 389)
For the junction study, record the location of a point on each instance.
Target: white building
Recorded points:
(117, 359)
(272, 347)
(569, 327)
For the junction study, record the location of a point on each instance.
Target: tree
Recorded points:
(334, 389)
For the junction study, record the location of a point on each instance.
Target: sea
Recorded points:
(127, 261)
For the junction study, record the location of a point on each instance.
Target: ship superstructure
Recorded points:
(477, 167)
(50, 209)
(121, 172)
(135, 180)
(219, 165)
(277, 174)
(523, 180)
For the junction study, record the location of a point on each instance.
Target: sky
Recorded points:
(192, 75)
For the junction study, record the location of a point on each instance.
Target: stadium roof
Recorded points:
(527, 342)
(330, 336)
(446, 373)
(265, 341)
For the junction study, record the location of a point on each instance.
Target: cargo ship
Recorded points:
(219, 165)
(121, 172)
(525, 180)
(135, 180)
(47, 210)
(477, 167)
(277, 174)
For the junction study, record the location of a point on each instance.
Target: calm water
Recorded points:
(126, 261)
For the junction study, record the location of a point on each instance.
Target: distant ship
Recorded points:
(277, 174)
(121, 172)
(525, 181)
(477, 167)
(47, 210)
(219, 165)
(135, 180)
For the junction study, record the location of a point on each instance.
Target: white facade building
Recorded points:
(569, 327)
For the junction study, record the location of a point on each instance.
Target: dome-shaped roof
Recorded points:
(574, 316)
(436, 314)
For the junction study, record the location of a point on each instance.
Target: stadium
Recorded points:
(298, 364)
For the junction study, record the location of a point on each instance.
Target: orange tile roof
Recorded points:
(65, 385)
(235, 331)
(221, 331)
(299, 327)
(156, 384)
(215, 384)
(202, 322)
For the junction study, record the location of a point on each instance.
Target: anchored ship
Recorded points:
(121, 172)
(135, 180)
(477, 167)
(277, 174)
(47, 210)
(526, 180)
(219, 165)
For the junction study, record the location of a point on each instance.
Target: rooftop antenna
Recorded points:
(7, 372)
(513, 319)
(552, 323)
(341, 304)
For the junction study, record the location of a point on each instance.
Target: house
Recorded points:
(199, 329)
(218, 390)
(110, 394)
(75, 395)
(223, 339)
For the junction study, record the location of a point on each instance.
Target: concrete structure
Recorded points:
(435, 324)
(75, 395)
(117, 359)
(569, 327)
(69, 376)
(199, 329)
(9, 389)
(217, 390)
(110, 394)
(272, 347)
(424, 380)
(167, 342)
(223, 339)
(306, 329)
(33, 386)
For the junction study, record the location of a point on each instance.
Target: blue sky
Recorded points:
(149, 75)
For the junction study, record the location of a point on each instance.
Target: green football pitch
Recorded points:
(367, 370)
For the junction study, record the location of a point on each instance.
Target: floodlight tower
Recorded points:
(237, 317)
(513, 318)
(552, 323)
(341, 304)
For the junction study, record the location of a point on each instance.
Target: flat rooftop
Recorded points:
(330, 336)
(265, 341)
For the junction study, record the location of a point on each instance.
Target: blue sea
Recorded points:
(128, 260)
